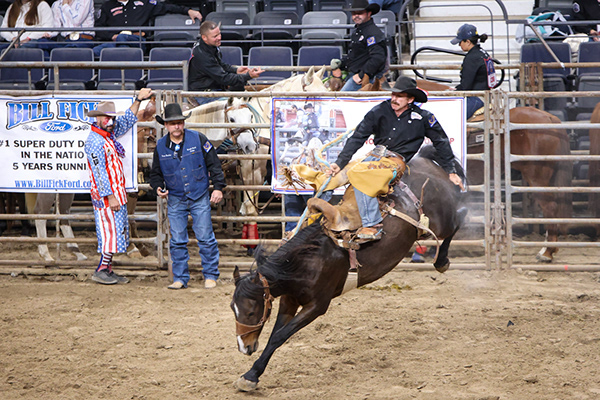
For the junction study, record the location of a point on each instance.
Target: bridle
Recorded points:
(243, 330)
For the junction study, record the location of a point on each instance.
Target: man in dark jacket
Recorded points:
(400, 126)
(207, 72)
(368, 52)
(114, 13)
(587, 10)
(183, 164)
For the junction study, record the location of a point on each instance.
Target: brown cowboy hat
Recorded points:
(106, 108)
(172, 113)
(408, 85)
(363, 5)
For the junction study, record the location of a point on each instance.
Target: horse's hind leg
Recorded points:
(65, 203)
(132, 250)
(43, 204)
(442, 263)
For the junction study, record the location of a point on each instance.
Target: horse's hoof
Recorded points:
(244, 385)
(134, 253)
(80, 257)
(543, 258)
(444, 267)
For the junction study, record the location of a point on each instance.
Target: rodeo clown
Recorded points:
(109, 199)
(400, 126)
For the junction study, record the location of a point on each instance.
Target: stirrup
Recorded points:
(370, 236)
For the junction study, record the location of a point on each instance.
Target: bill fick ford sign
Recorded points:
(42, 143)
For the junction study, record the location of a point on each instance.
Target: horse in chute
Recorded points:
(311, 269)
(594, 166)
(528, 141)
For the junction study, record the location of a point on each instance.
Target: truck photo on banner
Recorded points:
(42, 142)
(301, 127)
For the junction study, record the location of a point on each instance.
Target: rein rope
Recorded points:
(243, 330)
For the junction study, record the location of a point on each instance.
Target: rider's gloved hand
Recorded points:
(335, 63)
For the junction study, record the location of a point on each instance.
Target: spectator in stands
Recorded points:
(74, 14)
(33, 14)
(587, 10)
(477, 71)
(114, 13)
(368, 51)
(207, 72)
(392, 5)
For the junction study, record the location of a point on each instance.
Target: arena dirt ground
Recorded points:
(474, 335)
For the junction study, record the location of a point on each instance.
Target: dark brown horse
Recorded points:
(541, 141)
(310, 270)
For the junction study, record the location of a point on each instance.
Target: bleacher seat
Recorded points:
(247, 7)
(272, 18)
(232, 55)
(555, 80)
(176, 37)
(588, 79)
(387, 18)
(167, 79)
(18, 78)
(231, 19)
(72, 78)
(270, 56)
(110, 79)
(318, 55)
(324, 35)
(331, 5)
(296, 6)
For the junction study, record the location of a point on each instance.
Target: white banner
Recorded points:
(42, 141)
(292, 142)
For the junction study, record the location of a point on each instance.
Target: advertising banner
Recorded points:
(301, 127)
(42, 141)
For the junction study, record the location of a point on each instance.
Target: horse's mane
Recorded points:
(202, 113)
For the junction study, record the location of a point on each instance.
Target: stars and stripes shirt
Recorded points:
(105, 166)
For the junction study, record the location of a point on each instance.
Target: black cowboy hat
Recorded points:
(172, 113)
(408, 85)
(363, 5)
(308, 105)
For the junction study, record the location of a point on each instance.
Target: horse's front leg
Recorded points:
(308, 314)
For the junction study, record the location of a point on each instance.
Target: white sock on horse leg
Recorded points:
(40, 227)
(67, 232)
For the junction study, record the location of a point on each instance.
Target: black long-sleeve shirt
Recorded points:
(368, 52)
(213, 165)
(208, 72)
(473, 75)
(134, 13)
(586, 10)
(403, 135)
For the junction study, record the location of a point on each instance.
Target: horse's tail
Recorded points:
(429, 152)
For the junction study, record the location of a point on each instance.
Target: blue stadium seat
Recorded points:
(318, 55)
(18, 78)
(167, 79)
(232, 55)
(387, 18)
(185, 37)
(72, 78)
(296, 6)
(271, 56)
(555, 80)
(110, 79)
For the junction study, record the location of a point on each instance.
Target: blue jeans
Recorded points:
(294, 207)
(123, 40)
(368, 206)
(473, 104)
(351, 86)
(178, 211)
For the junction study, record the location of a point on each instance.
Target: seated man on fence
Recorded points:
(114, 13)
(208, 73)
(400, 126)
(367, 54)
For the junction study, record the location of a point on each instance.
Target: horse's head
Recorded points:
(238, 112)
(251, 305)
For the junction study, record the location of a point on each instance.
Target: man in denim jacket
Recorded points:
(184, 162)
